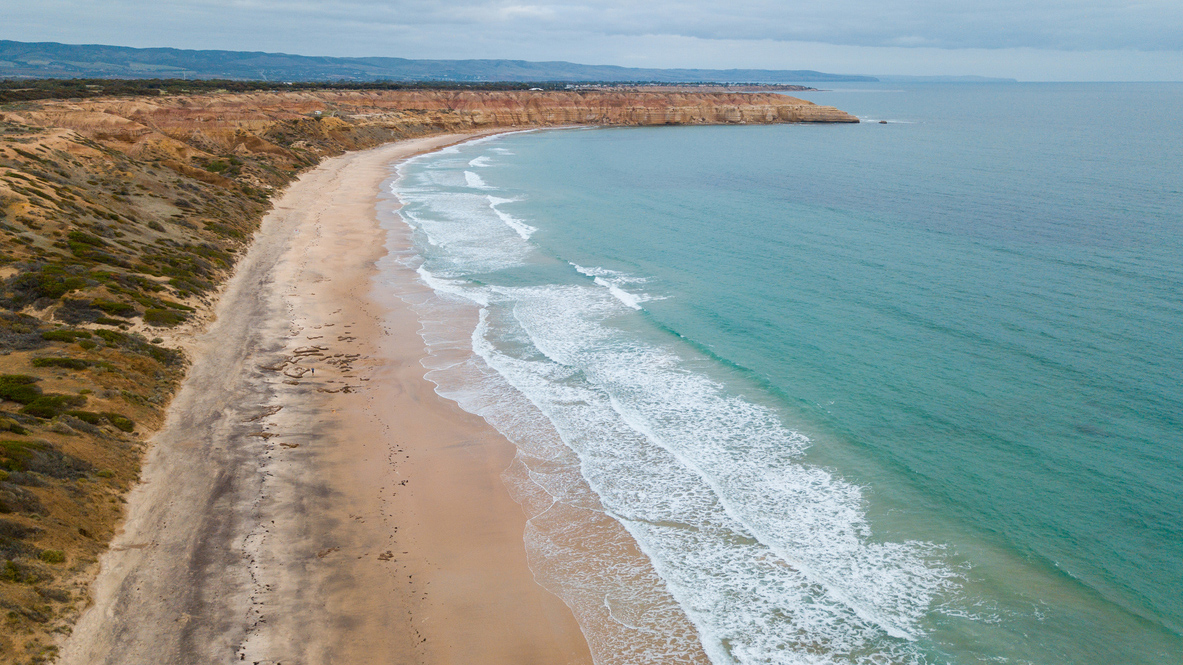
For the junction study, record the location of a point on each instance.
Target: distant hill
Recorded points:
(53, 60)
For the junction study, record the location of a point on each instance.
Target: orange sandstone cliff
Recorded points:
(263, 122)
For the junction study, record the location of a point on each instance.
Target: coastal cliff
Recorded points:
(120, 218)
(265, 121)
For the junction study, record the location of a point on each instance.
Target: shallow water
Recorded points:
(876, 393)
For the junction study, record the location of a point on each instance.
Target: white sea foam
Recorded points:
(474, 181)
(620, 294)
(591, 272)
(432, 180)
(478, 162)
(744, 457)
(611, 280)
(769, 559)
(475, 235)
(450, 287)
(523, 229)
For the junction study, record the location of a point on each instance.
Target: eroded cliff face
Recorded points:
(172, 127)
(603, 108)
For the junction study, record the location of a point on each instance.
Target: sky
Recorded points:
(1031, 40)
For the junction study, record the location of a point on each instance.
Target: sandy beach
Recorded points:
(310, 498)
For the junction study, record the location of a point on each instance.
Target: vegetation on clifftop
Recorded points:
(101, 250)
(23, 90)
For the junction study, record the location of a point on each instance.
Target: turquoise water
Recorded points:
(878, 393)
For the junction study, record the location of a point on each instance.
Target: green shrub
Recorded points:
(19, 388)
(163, 317)
(49, 282)
(41, 457)
(85, 239)
(15, 455)
(88, 417)
(165, 356)
(226, 231)
(19, 573)
(108, 321)
(10, 425)
(53, 556)
(66, 363)
(176, 305)
(121, 422)
(64, 335)
(86, 344)
(48, 406)
(105, 473)
(155, 225)
(137, 344)
(112, 337)
(114, 308)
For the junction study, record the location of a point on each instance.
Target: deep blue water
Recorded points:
(904, 392)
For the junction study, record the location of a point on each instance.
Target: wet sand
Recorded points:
(310, 498)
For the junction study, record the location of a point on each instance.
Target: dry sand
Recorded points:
(349, 515)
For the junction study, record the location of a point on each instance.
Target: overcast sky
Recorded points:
(1024, 39)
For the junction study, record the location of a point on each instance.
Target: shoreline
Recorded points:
(575, 549)
(343, 514)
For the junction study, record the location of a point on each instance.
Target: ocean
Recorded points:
(880, 393)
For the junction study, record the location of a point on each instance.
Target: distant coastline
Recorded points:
(54, 60)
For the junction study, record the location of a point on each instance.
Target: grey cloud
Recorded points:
(1044, 24)
(309, 26)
